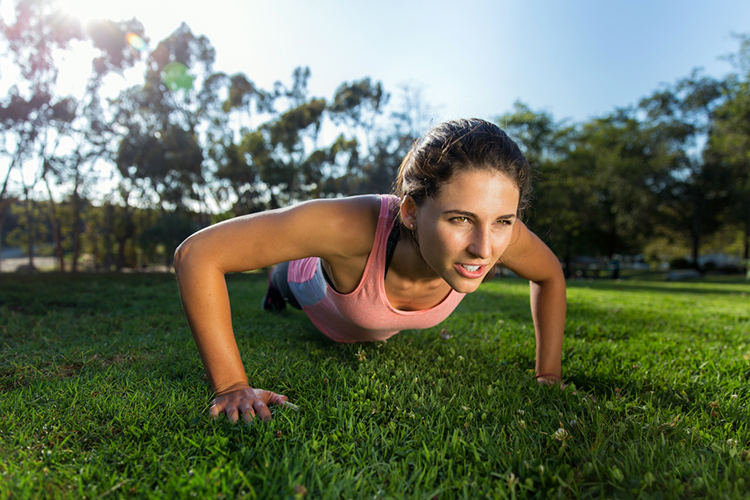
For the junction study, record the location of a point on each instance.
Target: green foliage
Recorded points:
(31, 232)
(729, 144)
(165, 235)
(103, 395)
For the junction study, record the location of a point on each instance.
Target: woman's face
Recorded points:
(465, 229)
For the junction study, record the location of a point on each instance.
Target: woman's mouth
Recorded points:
(470, 271)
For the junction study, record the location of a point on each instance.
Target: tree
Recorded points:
(31, 233)
(159, 156)
(681, 117)
(90, 135)
(563, 199)
(228, 103)
(32, 116)
(729, 142)
(280, 161)
(629, 165)
(375, 169)
(357, 105)
(63, 135)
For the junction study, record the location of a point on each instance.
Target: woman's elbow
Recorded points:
(185, 253)
(551, 274)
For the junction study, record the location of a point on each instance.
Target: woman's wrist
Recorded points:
(231, 388)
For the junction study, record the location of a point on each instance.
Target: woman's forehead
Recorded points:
(479, 190)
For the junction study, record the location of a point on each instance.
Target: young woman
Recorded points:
(365, 267)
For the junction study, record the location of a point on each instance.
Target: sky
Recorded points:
(575, 59)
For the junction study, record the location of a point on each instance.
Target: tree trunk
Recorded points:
(76, 235)
(77, 229)
(614, 242)
(54, 221)
(30, 230)
(120, 264)
(695, 234)
(567, 257)
(57, 232)
(746, 259)
(108, 233)
(3, 209)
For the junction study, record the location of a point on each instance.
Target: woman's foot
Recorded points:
(273, 300)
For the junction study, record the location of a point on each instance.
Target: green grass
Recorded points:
(102, 395)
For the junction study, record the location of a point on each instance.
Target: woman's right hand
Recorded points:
(248, 402)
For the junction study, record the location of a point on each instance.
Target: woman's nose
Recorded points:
(481, 243)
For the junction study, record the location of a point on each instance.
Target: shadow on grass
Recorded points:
(44, 293)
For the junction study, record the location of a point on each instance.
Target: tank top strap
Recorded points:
(376, 262)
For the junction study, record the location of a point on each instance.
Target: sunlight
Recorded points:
(88, 10)
(75, 63)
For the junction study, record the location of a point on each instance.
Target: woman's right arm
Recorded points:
(253, 242)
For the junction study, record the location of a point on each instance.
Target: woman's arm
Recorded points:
(531, 259)
(336, 230)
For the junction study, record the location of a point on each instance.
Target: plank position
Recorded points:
(365, 267)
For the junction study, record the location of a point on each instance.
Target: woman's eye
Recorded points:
(460, 219)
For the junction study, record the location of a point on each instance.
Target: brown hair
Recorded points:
(459, 145)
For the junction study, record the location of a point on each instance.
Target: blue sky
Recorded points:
(575, 59)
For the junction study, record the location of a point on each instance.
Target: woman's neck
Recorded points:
(408, 264)
(410, 284)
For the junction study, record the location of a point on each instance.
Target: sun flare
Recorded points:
(87, 10)
(75, 63)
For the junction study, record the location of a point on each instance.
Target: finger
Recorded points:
(281, 400)
(214, 411)
(248, 415)
(262, 411)
(276, 399)
(232, 415)
(247, 412)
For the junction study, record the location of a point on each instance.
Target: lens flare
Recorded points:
(175, 76)
(136, 42)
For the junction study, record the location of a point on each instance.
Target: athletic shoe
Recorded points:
(273, 300)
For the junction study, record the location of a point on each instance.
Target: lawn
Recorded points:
(102, 395)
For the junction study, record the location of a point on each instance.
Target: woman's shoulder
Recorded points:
(348, 223)
(349, 210)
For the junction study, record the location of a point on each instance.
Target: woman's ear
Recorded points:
(409, 212)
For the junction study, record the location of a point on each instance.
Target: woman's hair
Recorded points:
(456, 146)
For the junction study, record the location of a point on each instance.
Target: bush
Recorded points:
(680, 263)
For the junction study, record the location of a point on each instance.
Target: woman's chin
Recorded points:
(466, 286)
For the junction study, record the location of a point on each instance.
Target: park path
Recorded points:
(12, 264)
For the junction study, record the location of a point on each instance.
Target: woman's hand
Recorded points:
(248, 402)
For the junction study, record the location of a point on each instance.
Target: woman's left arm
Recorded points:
(528, 257)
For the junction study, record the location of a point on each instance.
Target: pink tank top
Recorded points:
(364, 315)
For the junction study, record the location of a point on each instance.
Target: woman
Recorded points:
(365, 267)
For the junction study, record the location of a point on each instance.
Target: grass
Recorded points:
(102, 395)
